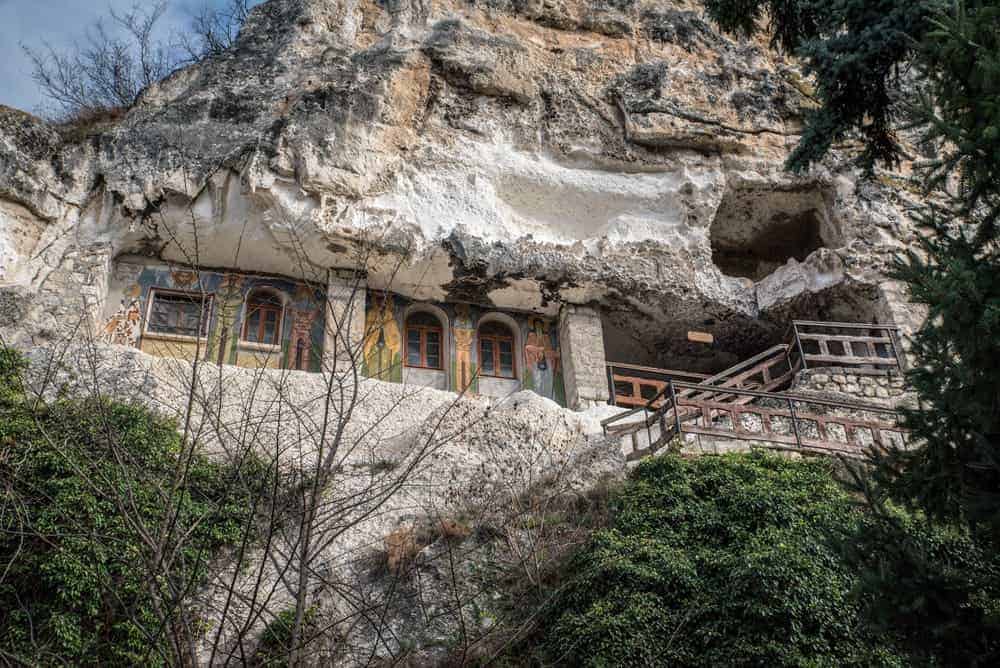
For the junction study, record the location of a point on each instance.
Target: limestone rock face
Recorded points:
(520, 153)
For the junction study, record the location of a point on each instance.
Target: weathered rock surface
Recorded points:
(517, 152)
(414, 468)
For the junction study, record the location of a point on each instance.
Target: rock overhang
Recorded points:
(485, 153)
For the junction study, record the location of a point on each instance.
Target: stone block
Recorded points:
(581, 342)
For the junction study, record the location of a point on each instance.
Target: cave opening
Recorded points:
(757, 230)
(759, 254)
(688, 340)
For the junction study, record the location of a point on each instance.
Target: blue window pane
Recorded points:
(486, 357)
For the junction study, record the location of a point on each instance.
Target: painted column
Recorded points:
(343, 341)
(581, 344)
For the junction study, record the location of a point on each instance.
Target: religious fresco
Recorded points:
(463, 331)
(542, 370)
(299, 341)
(224, 335)
(383, 344)
(538, 362)
(124, 325)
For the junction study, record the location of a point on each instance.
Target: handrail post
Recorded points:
(611, 384)
(673, 401)
(795, 425)
(900, 359)
(798, 344)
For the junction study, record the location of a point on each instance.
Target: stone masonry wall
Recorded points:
(855, 385)
(895, 306)
(581, 339)
(75, 291)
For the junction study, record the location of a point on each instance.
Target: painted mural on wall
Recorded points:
(124, 326)
(463, 372)
(542, 370)
(537, 364)
(383, 344)
(245, 319)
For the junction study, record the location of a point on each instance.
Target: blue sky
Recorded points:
(60, 22)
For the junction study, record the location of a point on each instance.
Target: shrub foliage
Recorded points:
(106, 528)
(743, 560)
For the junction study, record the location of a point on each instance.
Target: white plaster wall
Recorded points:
(432, 378)
(498, 387)
(345, 320)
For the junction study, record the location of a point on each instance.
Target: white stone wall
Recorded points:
(490, 386)
(75, 291)
(855, 385)
(434, 378)
(581, 341)
(346, 294)
(895, 307)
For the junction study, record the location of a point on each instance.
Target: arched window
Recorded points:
(262, 322)
(496, 350)
(423, 341)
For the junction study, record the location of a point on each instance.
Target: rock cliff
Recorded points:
(516, 153)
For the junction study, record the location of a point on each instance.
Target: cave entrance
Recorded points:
(642, 339)
(784, 237)
(693, 341)
(755, 232)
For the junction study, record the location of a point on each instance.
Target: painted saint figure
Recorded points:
(464, 334)
(542, 358)
(383, 343)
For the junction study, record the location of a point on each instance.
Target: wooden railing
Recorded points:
(857, 345)
(810, 344)
(782, 421)
(633, 385)
(663, 403)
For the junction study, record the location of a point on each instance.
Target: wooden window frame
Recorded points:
(252, 296)
(300, 355)
(207, 300)
(496, 339)
(423, 329)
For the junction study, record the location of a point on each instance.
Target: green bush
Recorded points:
(83, 481)
(930, 585)
(717, 561)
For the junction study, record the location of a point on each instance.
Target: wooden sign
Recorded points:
(700, 337)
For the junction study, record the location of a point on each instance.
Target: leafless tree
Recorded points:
(114, 62)
(121, 55)
(214, 30)
(337, 475)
